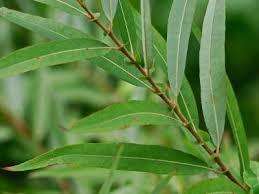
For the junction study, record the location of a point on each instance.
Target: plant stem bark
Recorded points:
(170, 102)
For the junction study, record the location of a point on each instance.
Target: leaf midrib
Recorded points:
(178, 47)
(56, 53)
(126, 26)
(127, 72)
(39, 26)
(210, 76)
(237, 139)
(131, 114)
(135, 158)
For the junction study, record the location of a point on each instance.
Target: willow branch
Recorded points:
(170, 102)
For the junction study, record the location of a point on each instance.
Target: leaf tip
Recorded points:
(8, 168)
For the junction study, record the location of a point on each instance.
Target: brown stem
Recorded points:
(16, 123)
(170, 102)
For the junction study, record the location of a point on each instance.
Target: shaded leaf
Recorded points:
(124, 115)
(51, 53)
(125, 26)
(212, 70)
(162, 184)
(215, 185)
(109, 8)
(178, 33)
(41, 105)
(134, 157)
(146, 26)
(159, 44)
(238, 129)
(43, 26)
(187, 103)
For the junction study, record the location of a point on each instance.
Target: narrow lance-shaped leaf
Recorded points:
(159, 44)
(238, 129)
(51, 53)
(107, 185)
(147, 43)
(69, 6)
(215, 185)
(142, 158)
(179, 30)
(124, 115)
(109, 8)
(188, 104)
(212, 69)
(43, 26)
(125, 26)
(113, 62)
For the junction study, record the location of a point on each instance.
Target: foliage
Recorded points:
(141, 120)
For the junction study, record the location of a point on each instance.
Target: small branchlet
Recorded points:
(170, 102)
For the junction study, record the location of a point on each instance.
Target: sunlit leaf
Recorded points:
(114, 63)
(134, 157)
(146, 26)
(51, 53)
(212, 69)
(215, 185)
(178, 33)
(43, 26)
(124, 115)
(110, 7)
(69, 6)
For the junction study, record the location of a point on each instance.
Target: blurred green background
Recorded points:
(36, 107)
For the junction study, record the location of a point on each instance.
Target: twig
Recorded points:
(17, 123)
(170, 102)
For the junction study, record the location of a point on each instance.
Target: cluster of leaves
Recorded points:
(144, 60)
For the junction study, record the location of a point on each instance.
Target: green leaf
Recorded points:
(215, 185)
(114, 63)
(43, 26)
(187, 103)
(109, 8)
(69, 6)
(134, 157)
(125, 26)
(252, 177)
(159, 44)
(255, 168)
(186, 98)
(124, 115)
(147, 43)
(107, 185)
(162, 184)
(212, 70)
(238, 129)
(51, 53)
(159, 50)
(178, 33)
